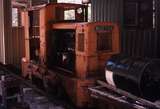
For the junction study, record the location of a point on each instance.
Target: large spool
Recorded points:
(138, 76)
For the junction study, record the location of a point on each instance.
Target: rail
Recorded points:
(106, 92)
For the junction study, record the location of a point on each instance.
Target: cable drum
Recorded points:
(139, 76)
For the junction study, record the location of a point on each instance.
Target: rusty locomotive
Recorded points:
(73, 50)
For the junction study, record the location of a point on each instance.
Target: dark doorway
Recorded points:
(140, 28)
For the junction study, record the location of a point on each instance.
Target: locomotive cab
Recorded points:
(81, 48)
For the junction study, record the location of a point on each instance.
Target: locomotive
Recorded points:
(72, 50)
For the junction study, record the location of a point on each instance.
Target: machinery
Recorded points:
(138, 76)
(131, 83)
(73, 50)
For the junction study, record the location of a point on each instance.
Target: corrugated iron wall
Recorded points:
(107, 10)
(8, 31)
(140, 42)
(140, 39)
(18, 44)
(11, 39)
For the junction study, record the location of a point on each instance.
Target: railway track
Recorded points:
(9, 70)
(102, 91)
(111, 94)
